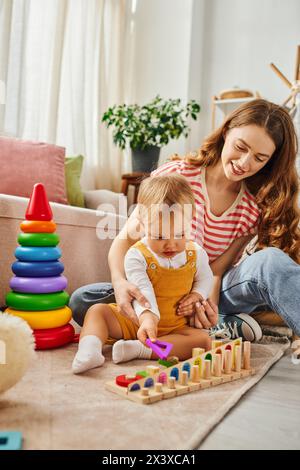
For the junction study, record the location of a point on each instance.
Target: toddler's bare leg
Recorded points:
(101, 322)
(184, 341)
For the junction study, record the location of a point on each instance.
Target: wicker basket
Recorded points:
(234, 93)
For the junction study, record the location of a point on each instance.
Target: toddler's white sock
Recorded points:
(89, 354)
(126, 350)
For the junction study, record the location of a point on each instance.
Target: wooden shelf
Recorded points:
(231, 101)
(235, 100)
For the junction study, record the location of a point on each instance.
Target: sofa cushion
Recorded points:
(73, 167)
(24, 163)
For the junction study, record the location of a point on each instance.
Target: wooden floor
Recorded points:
(267, 417)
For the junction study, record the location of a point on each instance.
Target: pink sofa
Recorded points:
(84, 254)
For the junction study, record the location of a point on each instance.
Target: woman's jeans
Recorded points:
(268, 279)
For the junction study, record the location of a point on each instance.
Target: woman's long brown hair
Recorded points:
(275, 187)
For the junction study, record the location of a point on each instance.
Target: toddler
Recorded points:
(166, 266)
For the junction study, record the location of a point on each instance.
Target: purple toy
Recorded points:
(161, 348)
(41, 285)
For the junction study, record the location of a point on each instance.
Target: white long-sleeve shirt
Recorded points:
(136, 272)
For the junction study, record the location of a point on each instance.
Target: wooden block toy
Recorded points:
(197, 351)
(125, 380)
(207, 369)
(142, 373)
(218, 365)
(238, 358)
(247, 353)
(152, 370)
(216, 343)
(10, 440)
(171, 382)
(229, 361)
(184, 377)
(195, 373)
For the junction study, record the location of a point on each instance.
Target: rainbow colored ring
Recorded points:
(38, 239)
(41, 269)
(39, 285)
(30, 253)
(36, 302)
(54, 337)
(44, 320)
(38, 226)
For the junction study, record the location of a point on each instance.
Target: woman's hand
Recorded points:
(125, 293)
(202, 313)
(148, 327)
(186, 305)
(206, 314)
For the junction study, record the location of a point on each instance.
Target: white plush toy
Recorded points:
(16, 350)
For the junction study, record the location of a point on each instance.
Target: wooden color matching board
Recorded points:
(227, 362)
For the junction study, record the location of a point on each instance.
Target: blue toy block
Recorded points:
(10, 440)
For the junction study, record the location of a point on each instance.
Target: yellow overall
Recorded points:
(169, 285)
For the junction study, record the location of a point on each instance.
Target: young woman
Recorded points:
(245, 184)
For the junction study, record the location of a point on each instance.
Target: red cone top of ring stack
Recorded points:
(39, 207)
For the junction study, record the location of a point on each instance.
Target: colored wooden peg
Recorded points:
(39, 207)
(160, 348)
(195, 375)
(184, 377)
(228, 361)
(152, 370)
(247, 353)
(197, 352)
(171, 382)
(237, 358)
(207, 369)
(218, 365)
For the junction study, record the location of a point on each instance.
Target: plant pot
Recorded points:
(145, 161)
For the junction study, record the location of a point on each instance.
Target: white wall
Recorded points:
(162, 53)
(241, 38)
(196, 48)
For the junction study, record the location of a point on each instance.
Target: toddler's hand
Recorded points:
(148, 327)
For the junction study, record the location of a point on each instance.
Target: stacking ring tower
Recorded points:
(38, 288)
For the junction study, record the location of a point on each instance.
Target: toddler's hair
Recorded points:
(168, 190)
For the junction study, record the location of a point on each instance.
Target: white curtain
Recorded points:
(64, 62)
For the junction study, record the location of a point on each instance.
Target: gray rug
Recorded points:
(56, 410)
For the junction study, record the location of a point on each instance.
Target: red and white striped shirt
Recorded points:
(215, 233)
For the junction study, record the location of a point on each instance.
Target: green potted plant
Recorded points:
(148, 128)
